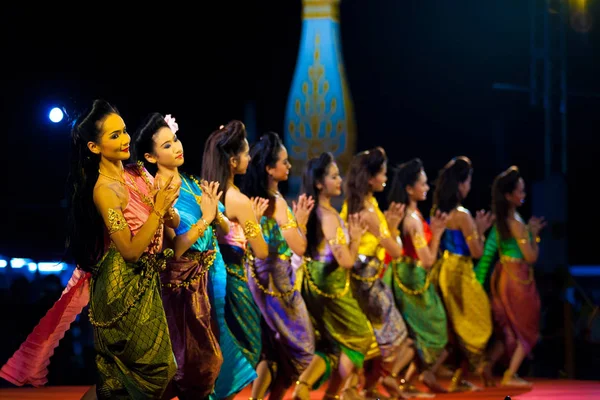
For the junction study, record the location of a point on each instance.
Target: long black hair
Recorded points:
(85, 234)
(446, 196)
(504, 184)
(364, 166)
(144, 139)
(222, 144)
(403, 175)
(314, 173)
(264, 153)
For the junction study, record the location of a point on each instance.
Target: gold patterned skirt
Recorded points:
(467, 304)
(134, 356)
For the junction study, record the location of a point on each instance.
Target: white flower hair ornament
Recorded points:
(171, 122)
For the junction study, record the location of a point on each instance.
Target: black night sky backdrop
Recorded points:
(420, 75)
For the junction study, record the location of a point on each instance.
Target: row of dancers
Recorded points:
(198, 288)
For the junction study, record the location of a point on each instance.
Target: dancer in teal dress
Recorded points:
(226, 154)
(236, 372)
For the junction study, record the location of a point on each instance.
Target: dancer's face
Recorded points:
(465, 187)
(168, 149)
(239, 163)
(113, 141)
(332, 182)
(517, 196)
(282, 167)
(378, 181)
(418, 191)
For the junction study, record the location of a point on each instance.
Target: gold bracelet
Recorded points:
(201, 231)
(302, 228)
(158, 214)
(170, 214)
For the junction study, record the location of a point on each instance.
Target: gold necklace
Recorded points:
(197, 197)
(121, 181)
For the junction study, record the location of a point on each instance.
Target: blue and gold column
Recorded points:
(319, 114)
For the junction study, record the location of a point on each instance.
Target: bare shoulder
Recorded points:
(235, 197)
(329, 217)
(462, 212)
(109, 193)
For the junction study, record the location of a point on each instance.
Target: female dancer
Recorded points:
(368, 174)
(226, 154)
(116, 233)
(465, 299)
(346, 334)
(117, 241)
(184, 281)
(512, 283)
(289, 346)
(410, 276)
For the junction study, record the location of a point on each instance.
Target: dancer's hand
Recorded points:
(259, 206)
(535, 225)
(484, 220)
(209, 204)
(356, 226)
(394, 215)
(437, 223)
(166, 193)
(302, 209)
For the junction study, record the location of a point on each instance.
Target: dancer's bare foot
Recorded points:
(513, 380)
(428, 379)
(390, 385)
(410, 391)
(458, 384)
(301, 391)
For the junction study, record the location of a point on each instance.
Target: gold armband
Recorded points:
(220, 217)
(291, 221)
(340, 237)
(384, 232)
(251, 229)
(473, 236)
(116, 221)
(419, 241)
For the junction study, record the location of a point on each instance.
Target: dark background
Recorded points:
(420, 74)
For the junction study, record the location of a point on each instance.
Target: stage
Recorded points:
(543, 389)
